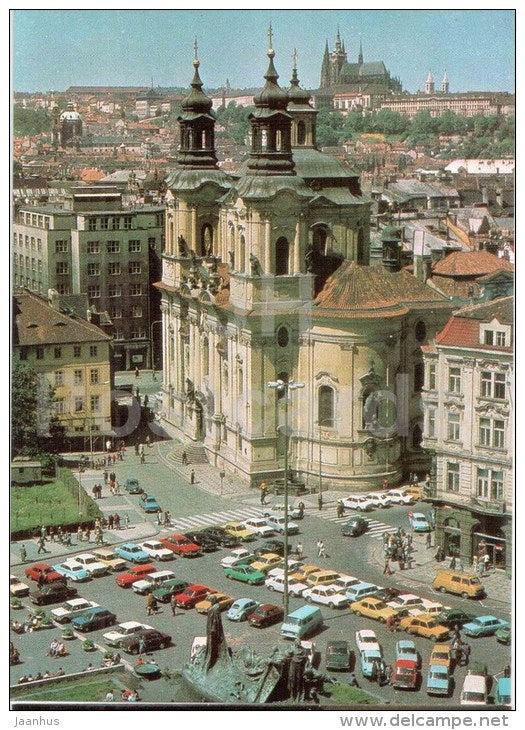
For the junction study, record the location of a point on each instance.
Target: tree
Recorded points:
(29, 122)
(390, 122)
(36, 428)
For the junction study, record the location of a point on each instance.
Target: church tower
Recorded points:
(429, 84)
(444, 84)
(302, 113)
(325, 69)
(360, 57)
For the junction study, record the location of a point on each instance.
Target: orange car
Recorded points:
(441, 654)
(425, 625)
(373, 608)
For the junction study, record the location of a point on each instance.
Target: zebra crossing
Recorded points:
(376, 529)
(211, 518)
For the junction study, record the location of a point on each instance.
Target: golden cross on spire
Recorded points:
(270, 36)
(294, 56)
(196, 48)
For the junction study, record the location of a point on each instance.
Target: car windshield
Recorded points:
(338, 650)
(368, 639)
(405, 672)
(440, 655)
(438, 675)
(474, 697)
(293, 620)
(474, 581)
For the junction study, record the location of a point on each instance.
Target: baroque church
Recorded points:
(266, 276)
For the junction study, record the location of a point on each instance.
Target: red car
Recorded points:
(192, 595)
(181, 545)
(137, 572)
(265, 615)
(405, 674)
(50, 576)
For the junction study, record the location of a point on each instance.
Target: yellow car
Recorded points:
(222, 599)
(373, 608)
(441, 654)
(425, 625)
(109, 558)
(238, 530)
(414, 489)
(266, 562)
(302, 573)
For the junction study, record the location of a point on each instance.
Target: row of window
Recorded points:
(29, 241)
(491, 431)
(492, 384)
(78, 377)
(489, 482)
(135, 311)
(58, 352)
(137, 333)
(29, 283)
(114, 290)
(115, 222)
(61, 405)
(30, 263)
(114, 268)
(34, 219)
(134, 246)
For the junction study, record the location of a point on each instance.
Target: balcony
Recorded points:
(496, 507)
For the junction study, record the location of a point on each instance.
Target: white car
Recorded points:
(293, 565)
(90, 563)
(327, 595)
(152, 581)
(427, 606)
(236, 557)
(156, 550)
(276, 583)
(400, 496)
(366, 639)
(122, 631)
(277, 522)
(17, 588)
(72, 608)
(379, 499)
(259, 526)
(361, 504)
(405, 601)
(293, 512)
(344, 582)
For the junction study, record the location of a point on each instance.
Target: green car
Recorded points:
(503, 635)
(164, 592)
(246, 574)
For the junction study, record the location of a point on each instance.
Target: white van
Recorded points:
(152, 581)
(361, 590)
(474, 690)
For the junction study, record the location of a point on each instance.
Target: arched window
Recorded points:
(417, 436)
(325, 406)
(320, 234)
(284, 377)
(206, 239)
(264, 139)
(282, 337)
(205, 357)
(282, 256)
(419, 377)
(242, 254)
(369, 408)
(301, 133)
(420, 331)
(278, 140)
(240, 381)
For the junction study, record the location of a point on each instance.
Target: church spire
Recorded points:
(360, 57)
(302, 113)
(325, 68)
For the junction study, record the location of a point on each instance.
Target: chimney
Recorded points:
(53, 299)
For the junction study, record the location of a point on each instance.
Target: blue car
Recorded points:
(438, 680)
(241, 608)
(149, 504)
(484, 626)
(418, 522)
(132, 552)
(132, 486)
(368, 656)
(406, 649)
(97, 618)
(72, 570)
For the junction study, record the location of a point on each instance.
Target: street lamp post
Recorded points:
(285, 387)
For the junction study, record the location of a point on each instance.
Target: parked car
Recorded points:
(462, 584)
(425, 625)
(355, 526)
(110, 559)
(152, 581)
(192, 595)
(503, 635)
(294, 513)
(304, 571)
(379, 499)
(366, 639)
(276, 583)
(221, 599)
(338, 656)
(152, 639)
(484, 626)
(132, 486)
(206, 543)
(405, 600)
(359, 503)
(277, 523)
(52, 593)
(368, 658)
(401, 496)
(50, 575)
(438, 680)
(236, 557)
(441, 654)
(405, 674)
(503, 691)
(344, 582)
(259, 526)
(293, 566)
(17, 588)
(418, 522)
(266, 562)
(149, 504)
(241, 609)
(387, 594)
(361, 590)
(406, 649)
(475, 686)
(265, 615)
(164, 592)
(374, 608)
(180, 545)
(416, 490)
(426, 606)
(272, 546)
(326, 595)
(123, 631)
(156, 550)
(245, 574)
(223, 538)
(137, 572)
(239, 531)
(72, 570)
(74, 607)
(94, 567)
(97, 618)
(452, 616)
(132, 552)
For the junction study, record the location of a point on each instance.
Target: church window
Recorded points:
(205, 357)
(420, 331)
(278, 140)
(282, 337)
(325, 411)
(264, 139)
(301, 133)
(242, 253)
(282, 256)
(240, 381)
(206, 239)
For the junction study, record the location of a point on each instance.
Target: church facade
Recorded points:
(266, 277)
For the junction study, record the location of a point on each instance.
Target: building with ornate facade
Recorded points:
(266, 276)
(468, 405)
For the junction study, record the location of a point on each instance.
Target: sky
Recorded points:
(53, 49)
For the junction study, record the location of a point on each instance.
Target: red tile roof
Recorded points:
(463, 328)
(470, 263)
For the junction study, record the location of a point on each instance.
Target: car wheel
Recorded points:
(164, 644)
(464, 595)
(382, 619)
(271, 588)
(435, 639)
(331, 604)
(442, 589)
(134, 650)
(308, 599)
(229, 577)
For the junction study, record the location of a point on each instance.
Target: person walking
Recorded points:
(184, 458)
(428, 540)
(192, 476)
(136, 372)
(110, 522)
(387, 570)
(151, 604)
(321, 550)
(23, 553)
(116, 521)
(41, 545)
(340, 509)
(126, 518)
(264, 492)
(452, 564)
(486, 561)
(143, 459)
(79, 533)
(299, 550)
(173, 604)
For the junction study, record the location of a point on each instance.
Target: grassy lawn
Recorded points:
(82, 689)
(342, 694)
(51, 503)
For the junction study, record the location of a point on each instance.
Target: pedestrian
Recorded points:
(109, 696)
(429, 540)
(87, 535)
(475, 563)
(106, 476)
(173, 604)
(381, 674)
(60, 535)
(112, 477)
(142, 645)
(151, 604)
(159, 517)
(79, 533)
(374, 670)
(114, 457)
(116, 521)
(192, 476)
(136, 372)
(110, 522)
(385, 484)
(108, 445)
(137, 394)
(23, 553)
(143, 460)
(184, 458)
(52, 534)
(146, 401)
(440, 555)
(300, 507)
(506, 671)
(456, 636)
(480, 567)
(391, 623)
(167, 518)
(388, 673)
(452, 564)
(340, 509)
(299, 550)
(320, 502)
(94, 490)
(486, 561)
(321, 550)
(136, 449)
(264, 492)
(43, 532)
(126, 518)
(387, 570)
(466, 654)
(352, 680)
(41, 545)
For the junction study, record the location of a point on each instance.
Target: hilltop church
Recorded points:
(266, 276)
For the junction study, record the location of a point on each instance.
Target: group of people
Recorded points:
(57, 649)
(127, 695)
(460, 648)
(164, 518)
(397, 547)
(152, 607)
(46, 675)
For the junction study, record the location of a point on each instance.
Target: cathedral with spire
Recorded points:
(266, 276)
